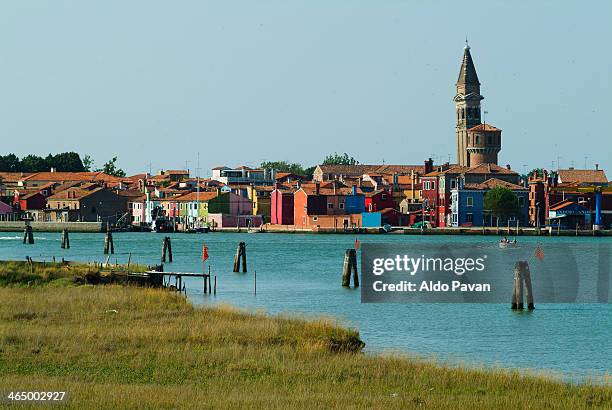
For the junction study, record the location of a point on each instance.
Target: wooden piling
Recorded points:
(522, 277)
(109, 247)
(169, 249)
(255, 282)
(350, 265)
(215, 287)
(28, 235)
(65, 240)
(166, 249)
(240, 258)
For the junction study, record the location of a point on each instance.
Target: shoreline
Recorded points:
(138, 339)
(97, 227)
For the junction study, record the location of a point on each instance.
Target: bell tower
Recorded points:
(467, 103)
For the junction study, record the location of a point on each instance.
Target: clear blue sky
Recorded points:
(246, 81)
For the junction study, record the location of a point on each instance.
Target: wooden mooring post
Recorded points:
(166, 250)
(350, 264)
(240, 258)
(28, 235)
(522, 277)
(109, 246)
(65, 240)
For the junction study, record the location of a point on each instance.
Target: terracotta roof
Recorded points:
(193, 196)
(453, 169)
(72, 194)
(360, 169)
(373, 193)
(176, 172)
(483, 127)
(583, 176)
(489, 169)
(130, 193)
(494, 182)
(220, 168)
(13, 176)
(328, 189)
(71, 176)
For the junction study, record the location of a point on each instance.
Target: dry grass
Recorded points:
(18, 273)
(126, 347)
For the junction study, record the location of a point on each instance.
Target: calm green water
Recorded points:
(301, 274)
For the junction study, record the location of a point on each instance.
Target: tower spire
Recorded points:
(467, 73)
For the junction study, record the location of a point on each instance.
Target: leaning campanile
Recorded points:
(467, 102)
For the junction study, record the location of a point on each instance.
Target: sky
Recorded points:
(240, 82)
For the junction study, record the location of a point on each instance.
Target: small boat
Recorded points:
(507, 243)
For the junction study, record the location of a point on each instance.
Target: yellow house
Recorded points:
(261, 199)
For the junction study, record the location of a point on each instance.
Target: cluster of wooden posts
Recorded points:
(350, 265)
(240, 258)
(28, 235)
(522, 277)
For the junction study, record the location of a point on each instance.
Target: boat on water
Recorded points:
(507, 243)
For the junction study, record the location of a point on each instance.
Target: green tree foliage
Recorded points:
(66, 161)
(284, 166)
(337, 159)
(34, 163)
(10, 163)
(88, 163)
(110, 168)
(501, 202)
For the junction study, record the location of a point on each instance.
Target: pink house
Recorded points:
(281, 212)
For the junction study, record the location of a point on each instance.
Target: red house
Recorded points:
(281, 206)
(379, 200)
(31, 201)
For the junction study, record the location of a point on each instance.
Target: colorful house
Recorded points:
(313, 201)
(467, 204)
(379, 200)
(281, 212)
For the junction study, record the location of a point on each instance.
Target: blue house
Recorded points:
(355, 202)
(467, 204)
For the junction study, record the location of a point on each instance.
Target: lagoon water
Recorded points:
(300, 274)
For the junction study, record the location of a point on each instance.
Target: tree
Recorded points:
(65, 162)
(110, 168)
(10, 163)
(88, 163)
(501, 202)
(34, 163)
(337, 159)
(284, 166)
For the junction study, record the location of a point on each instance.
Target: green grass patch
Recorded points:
(127, 347)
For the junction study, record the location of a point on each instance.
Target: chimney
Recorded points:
(428, 166)
(508, 166)
(317, 188)
(596, 167)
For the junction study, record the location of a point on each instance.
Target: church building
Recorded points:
(477, 143)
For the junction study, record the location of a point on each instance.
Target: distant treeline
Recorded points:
(65, 162)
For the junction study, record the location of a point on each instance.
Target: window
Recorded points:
(469, 218)
(370, 207)
(470, 201)
(315, 218)
(477, 139)
(453, 184)
(521, 200)
(341, 206)
(488, 139)
(330, 206)
(383, 197)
